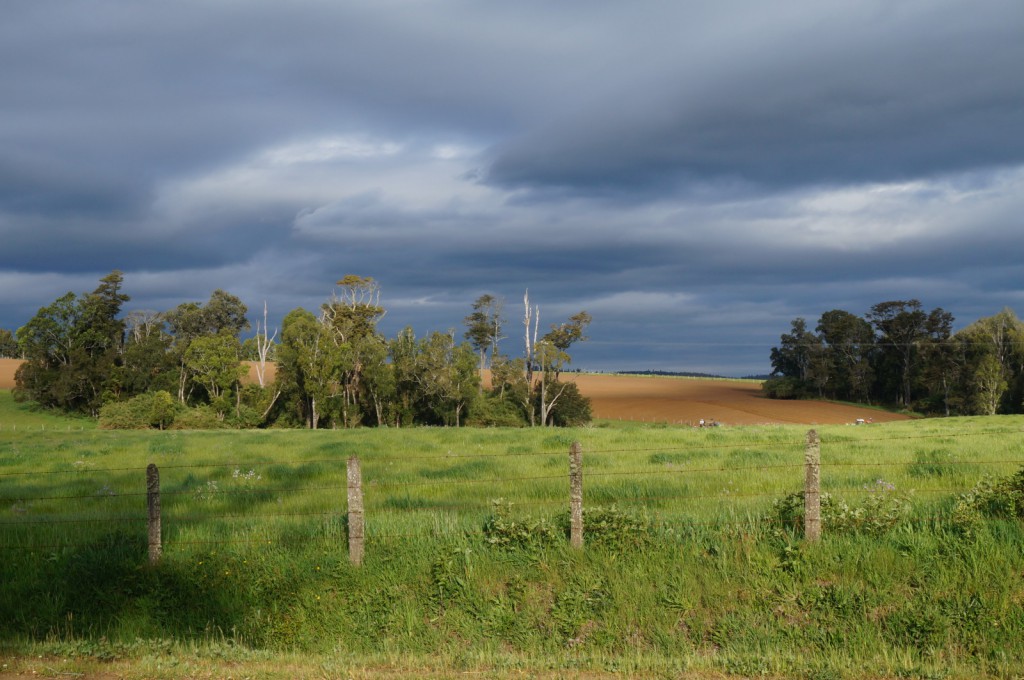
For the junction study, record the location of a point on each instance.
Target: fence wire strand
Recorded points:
(389, 506)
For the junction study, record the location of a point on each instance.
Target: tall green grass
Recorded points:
(698, 578)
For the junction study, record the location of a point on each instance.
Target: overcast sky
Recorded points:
(693, 174)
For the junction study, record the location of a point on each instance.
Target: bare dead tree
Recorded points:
(141, 323)
(263, 344)
(532, 315)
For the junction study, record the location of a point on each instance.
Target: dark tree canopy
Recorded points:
(902, 355)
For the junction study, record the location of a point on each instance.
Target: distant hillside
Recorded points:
(688, 374)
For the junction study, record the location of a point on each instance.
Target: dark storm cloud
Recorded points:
(693, 174)
(862, 96)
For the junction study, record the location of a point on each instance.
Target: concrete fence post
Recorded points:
(576, 495)
(153, 499)
(812, 488)
(355, 512)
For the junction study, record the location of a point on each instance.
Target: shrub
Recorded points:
(492, 411)
(145, 411)
(199, 418)
(785, 387)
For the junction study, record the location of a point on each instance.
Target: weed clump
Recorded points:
(880, 511)
(610, 527)
(503, 531)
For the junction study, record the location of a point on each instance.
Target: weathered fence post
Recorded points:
(355, 512)
(576, 495)
(812, 488)
(153, 497)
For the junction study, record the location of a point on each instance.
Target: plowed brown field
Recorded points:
(676, 400)
(7, 369)
(729, 402)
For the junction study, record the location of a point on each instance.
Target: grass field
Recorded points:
(686, 571)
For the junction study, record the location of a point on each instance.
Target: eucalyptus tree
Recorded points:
(352, 315)
(564, 335)
(484, 326)
(550, 359)
(994, 370)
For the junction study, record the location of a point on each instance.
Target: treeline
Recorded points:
(182, 368)
(900, 354)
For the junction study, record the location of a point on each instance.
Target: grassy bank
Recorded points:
(686, 568)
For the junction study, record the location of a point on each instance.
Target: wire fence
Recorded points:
(62, 509)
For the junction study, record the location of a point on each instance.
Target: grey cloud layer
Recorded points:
(700, 172)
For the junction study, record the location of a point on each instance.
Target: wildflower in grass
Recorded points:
(245, 481)
(207, 492)
(880, 486)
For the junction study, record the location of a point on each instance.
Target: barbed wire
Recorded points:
(658, 523)
(725, 495)
(376, 484)
(677, 448)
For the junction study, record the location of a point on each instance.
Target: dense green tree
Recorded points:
(378, 384)
(223, 314)
(902, 325)
(402, 352)
(447, 376)
(8, 345)
(214, 364)
(148, 363)
(899, 354)
(848, 343)
(508, 384)
(72, 349)
(793, 357)
(47, 343)
(943, 363)
(309, 363)
(572, 409)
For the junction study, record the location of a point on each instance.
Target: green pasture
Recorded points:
(684, 568)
